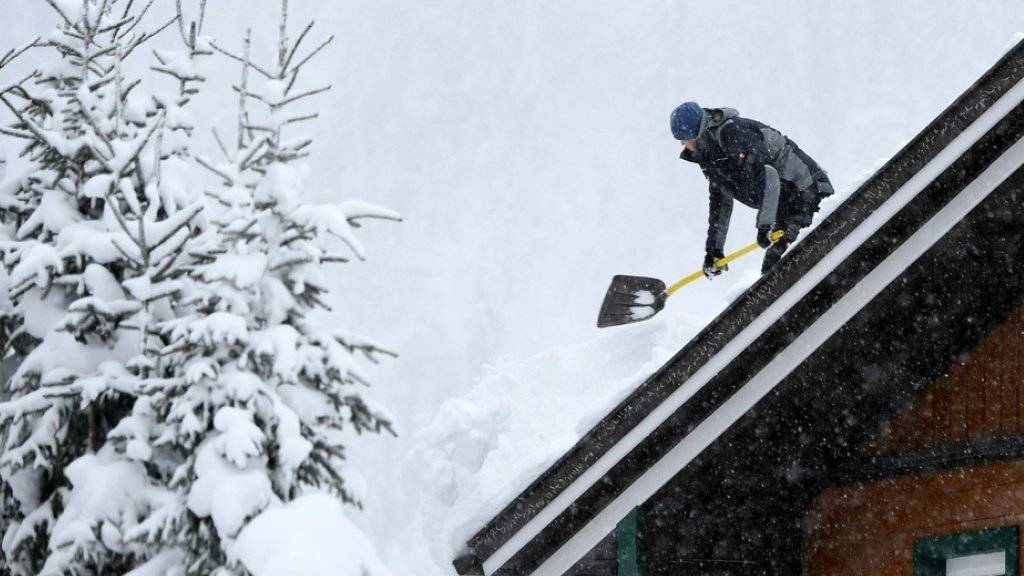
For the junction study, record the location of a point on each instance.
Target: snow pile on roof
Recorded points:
(485, 447)
(310, 536)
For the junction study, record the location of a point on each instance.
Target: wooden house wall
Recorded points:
(979, 398)
(871, 528)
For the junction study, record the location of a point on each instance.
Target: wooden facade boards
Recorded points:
(979, 398)
(872, 528)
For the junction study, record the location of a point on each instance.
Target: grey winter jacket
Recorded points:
(753, 163)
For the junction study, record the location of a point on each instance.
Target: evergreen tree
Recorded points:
(92, 240)
(254, 404)
(170, 386)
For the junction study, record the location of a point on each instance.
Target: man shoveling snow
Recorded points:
(755, 164)
(743, 160)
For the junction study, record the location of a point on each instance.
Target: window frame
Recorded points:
(931, 553)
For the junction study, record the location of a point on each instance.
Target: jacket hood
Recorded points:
(715, 117)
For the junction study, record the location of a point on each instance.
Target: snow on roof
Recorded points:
(484, 448)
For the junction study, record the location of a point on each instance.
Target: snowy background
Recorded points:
(526, 144)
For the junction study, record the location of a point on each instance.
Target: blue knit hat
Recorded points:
(686, 120)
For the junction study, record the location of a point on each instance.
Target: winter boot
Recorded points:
(772, 255)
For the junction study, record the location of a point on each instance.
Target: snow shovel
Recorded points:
(635, 298)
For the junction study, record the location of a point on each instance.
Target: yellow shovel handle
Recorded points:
(775, 236)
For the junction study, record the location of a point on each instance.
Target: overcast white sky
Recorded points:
(527, 145)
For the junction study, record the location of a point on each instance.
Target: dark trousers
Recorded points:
(792, 226)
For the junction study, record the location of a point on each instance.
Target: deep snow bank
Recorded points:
(483, 448)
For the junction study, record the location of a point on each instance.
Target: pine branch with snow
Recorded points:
(92, 239)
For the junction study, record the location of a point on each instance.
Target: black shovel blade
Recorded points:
(631, 299)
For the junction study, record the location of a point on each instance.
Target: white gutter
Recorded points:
(710, 429)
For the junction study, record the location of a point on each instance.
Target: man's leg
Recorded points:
(774, 252)
(772, 255)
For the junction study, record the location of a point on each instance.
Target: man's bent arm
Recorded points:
(719, 213)
(770, 203)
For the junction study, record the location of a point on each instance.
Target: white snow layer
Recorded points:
(309, 536)
(483, 448)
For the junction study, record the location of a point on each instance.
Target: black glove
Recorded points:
(710, 269)
(767, 236)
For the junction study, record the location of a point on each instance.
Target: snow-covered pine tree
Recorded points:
(92, 236)
(14, 341)
(257, 403)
